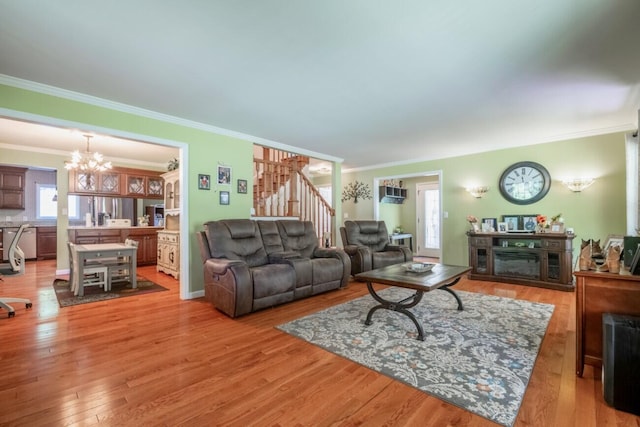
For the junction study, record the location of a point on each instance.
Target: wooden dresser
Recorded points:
(598, 293)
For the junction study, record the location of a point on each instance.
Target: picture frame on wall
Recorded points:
(513, 222)
(224, 197)
(224, 175)
(242, 186)
(204, 182)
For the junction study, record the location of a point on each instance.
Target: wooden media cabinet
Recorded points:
(535, 259)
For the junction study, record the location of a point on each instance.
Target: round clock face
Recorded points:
(524, 183)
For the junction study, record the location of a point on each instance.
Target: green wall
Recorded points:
(205, 151)
(594, 213)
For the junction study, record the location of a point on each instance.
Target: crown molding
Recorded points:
(124, 108)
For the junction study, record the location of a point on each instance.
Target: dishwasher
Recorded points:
(27, 242)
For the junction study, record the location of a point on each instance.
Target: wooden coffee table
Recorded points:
(442, 276)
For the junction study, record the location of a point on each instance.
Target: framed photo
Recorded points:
(557, 227)
(204, 182)
(528, 222)
(493, 223)
(635, 263)
(513, 222)
(224, 175)
(486, 227)
(242, 186)
(224, 197)
(613, 240)
(503, 227)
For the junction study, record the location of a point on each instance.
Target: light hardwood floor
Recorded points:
(157, 360)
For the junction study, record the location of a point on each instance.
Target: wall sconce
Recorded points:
(578, 184)
(477, 192)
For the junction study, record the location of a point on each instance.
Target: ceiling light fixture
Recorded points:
(87, 161)
(578, 184)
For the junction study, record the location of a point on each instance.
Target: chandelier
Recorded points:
(87, 161)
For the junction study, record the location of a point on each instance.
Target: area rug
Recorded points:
(479, 359)
(96, 293)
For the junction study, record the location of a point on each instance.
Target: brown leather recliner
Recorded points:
(367, 244)
(247, 267)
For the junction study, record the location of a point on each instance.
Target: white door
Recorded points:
(428, 219)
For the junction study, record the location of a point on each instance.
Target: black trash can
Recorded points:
(621, 361)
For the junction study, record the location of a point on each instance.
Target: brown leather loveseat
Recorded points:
(250, 265)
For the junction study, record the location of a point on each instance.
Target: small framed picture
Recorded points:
(557, 227)
(529, 222)
(224, 197)
(503, 227)
(613, 240)
(635, 262)
(513, 222)
(204, 182)
(224, 175)
(493, 223)
(242, 186)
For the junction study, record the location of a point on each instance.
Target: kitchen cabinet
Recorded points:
(12, 183)
(147, 239)
(136, 183)
(47, 243)
(88, 236)
(147, 186)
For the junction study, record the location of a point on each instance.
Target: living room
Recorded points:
(598, 152)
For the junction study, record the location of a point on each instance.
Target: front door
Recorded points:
(428, 219)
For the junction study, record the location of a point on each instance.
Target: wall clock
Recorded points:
(524, 183)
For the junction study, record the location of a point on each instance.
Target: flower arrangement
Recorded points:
(541, 220)
(544, 224)
(474, 223)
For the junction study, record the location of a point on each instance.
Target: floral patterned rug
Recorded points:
(479, 359)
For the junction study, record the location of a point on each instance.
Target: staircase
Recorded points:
(281, 189)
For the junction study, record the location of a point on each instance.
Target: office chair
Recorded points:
(14, 267)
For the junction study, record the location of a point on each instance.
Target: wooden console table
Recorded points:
(599, 293)
(534, 259)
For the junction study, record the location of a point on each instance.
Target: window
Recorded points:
(325, 192)
(47, 202)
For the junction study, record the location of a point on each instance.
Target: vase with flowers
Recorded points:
(473, 221)
(541, 224)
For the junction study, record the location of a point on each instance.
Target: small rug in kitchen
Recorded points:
(96, 293)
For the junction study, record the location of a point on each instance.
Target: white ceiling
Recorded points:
(372, 82)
